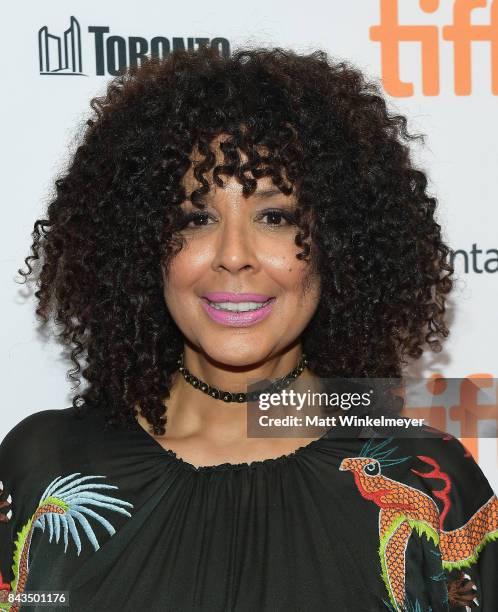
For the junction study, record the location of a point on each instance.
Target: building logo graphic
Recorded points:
(113, 54)
(61, 54)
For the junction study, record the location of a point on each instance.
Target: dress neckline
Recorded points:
(220, 467)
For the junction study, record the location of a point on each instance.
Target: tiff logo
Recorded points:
(461, 33)
(61, 55)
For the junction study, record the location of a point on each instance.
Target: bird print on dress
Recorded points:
(405, 509)
(5, 505)
(63, 508)
(5, 516)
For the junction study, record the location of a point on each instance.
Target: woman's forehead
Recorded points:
(265, 189)
(230, 181)
(265, 186)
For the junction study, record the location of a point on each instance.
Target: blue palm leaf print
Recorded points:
(72, 499)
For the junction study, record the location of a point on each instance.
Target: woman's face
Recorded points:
(240, 245)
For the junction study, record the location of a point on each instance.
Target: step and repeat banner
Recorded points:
(438, 64)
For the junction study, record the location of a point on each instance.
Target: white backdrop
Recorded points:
(447, 86)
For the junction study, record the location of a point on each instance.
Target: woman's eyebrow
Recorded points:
(266, 193)
(260, 194)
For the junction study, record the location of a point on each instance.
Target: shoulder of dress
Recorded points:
(27, 445)
(38, 423)
(443, 462)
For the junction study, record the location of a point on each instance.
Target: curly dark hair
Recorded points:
(307, 121)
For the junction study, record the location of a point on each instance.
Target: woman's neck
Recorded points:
(192, 413)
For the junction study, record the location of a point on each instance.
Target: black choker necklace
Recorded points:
(227, 396)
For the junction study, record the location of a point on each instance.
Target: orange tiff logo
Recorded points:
(467, 411)
(461, 33)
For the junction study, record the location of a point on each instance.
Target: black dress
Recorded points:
(339, 525)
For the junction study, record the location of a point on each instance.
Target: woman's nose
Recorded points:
(234, 247)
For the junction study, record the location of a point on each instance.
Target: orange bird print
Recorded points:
(404, 509)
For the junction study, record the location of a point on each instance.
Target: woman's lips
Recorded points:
(237, 319)
(227, 296)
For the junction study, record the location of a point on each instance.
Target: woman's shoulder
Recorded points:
(435, 460)
(428, 464)
(438, 466)
(439, 455)
(428, 482)
(41, 437)
(41, 419)
(37, 428)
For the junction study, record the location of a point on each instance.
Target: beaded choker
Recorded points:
(227, 396)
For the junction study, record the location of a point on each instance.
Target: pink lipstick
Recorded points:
(226, 296)
(251, 308)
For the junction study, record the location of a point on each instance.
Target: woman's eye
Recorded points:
(198, 219)
(275, 217)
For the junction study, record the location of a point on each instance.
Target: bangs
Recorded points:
(240, 154)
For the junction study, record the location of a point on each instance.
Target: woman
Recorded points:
(223, 220)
